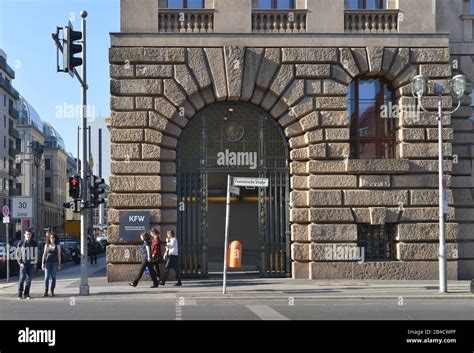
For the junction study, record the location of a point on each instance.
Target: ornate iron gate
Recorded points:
(242, 128)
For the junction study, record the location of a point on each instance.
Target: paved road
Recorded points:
(235, 309)
(248, 299)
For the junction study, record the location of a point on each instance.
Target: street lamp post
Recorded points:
(37, 151)
(457, 88)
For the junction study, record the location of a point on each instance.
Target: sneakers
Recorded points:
(132, 284)
(27, 296)
(179, 284)
(20, 296)
(162, 283)
(154, 286)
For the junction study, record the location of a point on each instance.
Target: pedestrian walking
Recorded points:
(51, 261)
(92, 249)
(156, 251)
(27, 258)
(172, 261)
(147, 262)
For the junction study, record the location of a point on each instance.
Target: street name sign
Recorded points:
(250, 182)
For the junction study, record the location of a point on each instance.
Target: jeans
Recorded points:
(150, 266)
(50, 269)
(25, 274)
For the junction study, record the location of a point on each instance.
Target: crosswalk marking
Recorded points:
(264, 312)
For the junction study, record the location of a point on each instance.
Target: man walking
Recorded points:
(27, 258)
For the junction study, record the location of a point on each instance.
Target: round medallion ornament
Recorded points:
(233, 131)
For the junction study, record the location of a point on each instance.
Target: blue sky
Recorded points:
(25, 36)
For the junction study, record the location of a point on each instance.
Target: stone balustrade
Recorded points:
(371, 21)
(186, 21)
(279, 21)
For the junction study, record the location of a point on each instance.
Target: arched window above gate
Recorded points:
(372, 131)
(231, 131)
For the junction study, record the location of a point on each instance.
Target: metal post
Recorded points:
(84, 286)
(8, 253)
(101, 206)
(78, 149)
(227, 214)
(443, 282)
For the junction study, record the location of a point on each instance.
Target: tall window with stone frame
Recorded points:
(372, 127)
(274, 4)
(377, 241)
(184, 4)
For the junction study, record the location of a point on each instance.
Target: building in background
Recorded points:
(301, 84)
(44, 173)
(56, 177)
(9, 137)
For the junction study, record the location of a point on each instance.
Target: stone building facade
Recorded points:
(163, 77)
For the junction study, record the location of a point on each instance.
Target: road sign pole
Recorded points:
(227, 214)
(84, 286)
(8, 253)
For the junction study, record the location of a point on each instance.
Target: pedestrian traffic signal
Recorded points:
(70, 48)
(75, 187)
(97, 191)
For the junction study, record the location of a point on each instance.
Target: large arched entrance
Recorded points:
(238, 139)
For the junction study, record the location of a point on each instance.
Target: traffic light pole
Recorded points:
(84, 286)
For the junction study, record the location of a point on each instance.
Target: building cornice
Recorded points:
(278, 40)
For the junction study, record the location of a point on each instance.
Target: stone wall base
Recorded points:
(396, 270)
(127, 272)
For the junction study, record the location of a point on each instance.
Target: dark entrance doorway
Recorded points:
(241, 140)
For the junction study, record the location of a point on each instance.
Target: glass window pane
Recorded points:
(264, 4)
(472, 6)
(353, 4)
(368, 89)
(195, 4)
(374, 4)
(367, 119)
(285, 4)
(175, 4)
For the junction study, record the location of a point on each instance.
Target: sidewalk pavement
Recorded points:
(239, 288)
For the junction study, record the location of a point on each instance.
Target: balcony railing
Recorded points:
(186, 20)
(13, 151)
(371, 21)
(14, 172)
(9, 88)
(15, 192)
(279, 21)
(13, 132)
(6, 67)
(13, 112)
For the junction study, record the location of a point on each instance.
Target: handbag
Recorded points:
(166, 255)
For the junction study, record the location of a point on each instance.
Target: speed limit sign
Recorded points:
(22, 207)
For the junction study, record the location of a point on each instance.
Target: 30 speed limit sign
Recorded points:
(22, 207)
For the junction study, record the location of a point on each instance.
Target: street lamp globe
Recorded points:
(419, 85)
(458, 86)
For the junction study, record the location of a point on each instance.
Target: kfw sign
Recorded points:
(132, 224)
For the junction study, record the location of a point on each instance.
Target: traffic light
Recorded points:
(70, 48)
(75, 187)
(97, 191)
